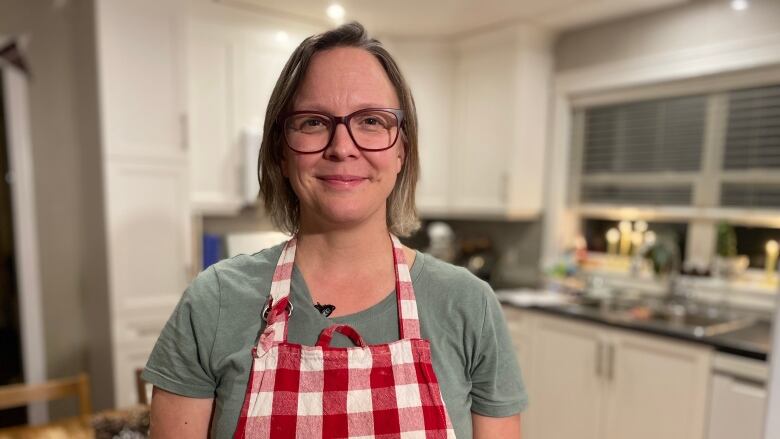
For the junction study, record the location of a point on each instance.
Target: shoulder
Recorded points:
(443, 284)
(236, 277)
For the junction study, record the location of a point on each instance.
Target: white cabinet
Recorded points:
(139, 67)
(144, 167)
(214, 147)
(484, 123)
(659, 388)
(482, 107)
(502, 89)
(230, 76)
(520, 325)
(429, 70)
(149, 231)
(592, 381)
(568, 399)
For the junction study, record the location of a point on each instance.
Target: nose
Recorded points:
(341, 146)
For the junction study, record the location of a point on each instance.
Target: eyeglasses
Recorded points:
(372, 129)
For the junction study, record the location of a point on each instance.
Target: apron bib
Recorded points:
(366, 391)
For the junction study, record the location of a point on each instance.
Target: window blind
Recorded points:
(650, 136)
(753, 130)
(760, 195)
(672, 195)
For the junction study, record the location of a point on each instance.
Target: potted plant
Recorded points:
(727, 263)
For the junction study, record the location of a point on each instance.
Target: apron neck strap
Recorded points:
(278, 305)
(279, 300)
(408, 321)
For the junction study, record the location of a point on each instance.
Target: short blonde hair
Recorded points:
(280, 201)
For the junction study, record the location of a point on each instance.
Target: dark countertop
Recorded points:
(752, 341)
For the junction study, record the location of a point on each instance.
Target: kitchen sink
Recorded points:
(662, 316)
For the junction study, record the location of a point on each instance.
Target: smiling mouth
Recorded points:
(342, 181)
(341, 178)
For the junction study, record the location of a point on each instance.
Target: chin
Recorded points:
(349, 214)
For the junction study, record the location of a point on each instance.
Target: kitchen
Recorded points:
(524, 209)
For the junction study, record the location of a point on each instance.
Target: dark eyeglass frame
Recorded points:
(335, 121)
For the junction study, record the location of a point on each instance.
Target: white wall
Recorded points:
(698, 24)
(57, 163)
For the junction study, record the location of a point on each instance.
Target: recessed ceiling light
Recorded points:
(335, 12)
(739, 5)
(282, 37)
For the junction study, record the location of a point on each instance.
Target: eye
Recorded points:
(375, 120)
(311, 123)
(308, 123)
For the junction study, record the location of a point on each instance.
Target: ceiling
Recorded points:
(441, 18)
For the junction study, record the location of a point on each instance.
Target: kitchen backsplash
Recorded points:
(514, 247)
(510, 249)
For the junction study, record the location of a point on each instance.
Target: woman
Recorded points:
(338, 169)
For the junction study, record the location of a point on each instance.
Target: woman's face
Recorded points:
(343, 185)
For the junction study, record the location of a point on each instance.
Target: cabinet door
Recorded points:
(139, 63)
(230, 79)
(520, 325)
(656, 387)
(567, 400)
(429, 71)
(737, 408)
(148, 227)
(484, 131)
(215, 172)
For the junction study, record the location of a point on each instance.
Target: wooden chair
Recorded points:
(17, 395)
(140, 387)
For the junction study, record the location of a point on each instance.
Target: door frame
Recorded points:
(20, 163)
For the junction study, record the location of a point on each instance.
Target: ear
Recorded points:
(401, 157)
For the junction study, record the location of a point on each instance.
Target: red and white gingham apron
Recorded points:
(367, 391)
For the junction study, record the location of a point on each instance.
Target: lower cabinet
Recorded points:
(569, 385)
(591, 381)
(656, 387)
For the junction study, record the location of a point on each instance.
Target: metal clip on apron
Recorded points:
(367, 391)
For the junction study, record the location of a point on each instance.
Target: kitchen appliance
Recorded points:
(738, 397)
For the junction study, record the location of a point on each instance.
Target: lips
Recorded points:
(342, 180)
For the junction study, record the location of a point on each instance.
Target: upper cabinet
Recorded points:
(484, 129)
(232, 69)
(140, 66)
(482, 105)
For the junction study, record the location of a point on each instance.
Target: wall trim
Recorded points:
(25, 222)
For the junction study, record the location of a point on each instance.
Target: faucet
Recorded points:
(667, 262)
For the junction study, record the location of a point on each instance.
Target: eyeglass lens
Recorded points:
(370, 129)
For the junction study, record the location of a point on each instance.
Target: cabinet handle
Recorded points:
(610, 362)
(599, 358)
(184, 129)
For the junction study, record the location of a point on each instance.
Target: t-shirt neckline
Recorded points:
(300, 291)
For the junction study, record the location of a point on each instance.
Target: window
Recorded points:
(719, 149)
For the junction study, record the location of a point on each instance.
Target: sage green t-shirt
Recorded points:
(204, 351)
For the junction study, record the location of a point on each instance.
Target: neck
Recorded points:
(365, 245)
